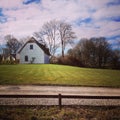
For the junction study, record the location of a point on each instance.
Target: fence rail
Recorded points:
(60, 97)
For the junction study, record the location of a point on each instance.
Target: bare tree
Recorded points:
(85, 52)
(55, 34)
(66, 35)
(23, 40)
(12, 43)
(115, 59)
(93, 52)
(0, 49)
(48, 35)
(115, 56)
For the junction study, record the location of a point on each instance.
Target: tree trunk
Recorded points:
(62, 52)
(62, 49)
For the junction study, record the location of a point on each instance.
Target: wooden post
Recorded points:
(60, 101)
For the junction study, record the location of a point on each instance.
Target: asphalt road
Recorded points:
(55, 90)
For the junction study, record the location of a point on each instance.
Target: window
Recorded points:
(26, 58)
(31, 47)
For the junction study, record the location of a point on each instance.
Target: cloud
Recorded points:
(7, 4)
(23, 17)
(107, 12)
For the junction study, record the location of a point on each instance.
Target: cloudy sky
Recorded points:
(89, 18)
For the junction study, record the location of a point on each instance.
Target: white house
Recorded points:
(33, 52)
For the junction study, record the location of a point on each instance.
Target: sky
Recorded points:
(89, 18)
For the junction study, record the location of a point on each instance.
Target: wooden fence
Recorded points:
(60, 97)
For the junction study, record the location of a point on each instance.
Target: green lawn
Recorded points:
(58, 74)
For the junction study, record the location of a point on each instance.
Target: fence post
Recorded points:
(60, 101)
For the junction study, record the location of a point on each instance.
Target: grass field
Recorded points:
(58, 75)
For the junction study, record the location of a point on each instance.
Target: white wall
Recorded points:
(36, 52)
(46, 59)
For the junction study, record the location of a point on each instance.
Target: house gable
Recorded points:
(32, 40)
(33, 52)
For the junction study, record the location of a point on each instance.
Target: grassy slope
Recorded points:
(58, 74)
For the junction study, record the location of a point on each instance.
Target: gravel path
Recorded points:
(55, 90)
(51, 101)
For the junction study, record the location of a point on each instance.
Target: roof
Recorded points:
(33, 40)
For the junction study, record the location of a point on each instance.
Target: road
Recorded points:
(55, 90)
